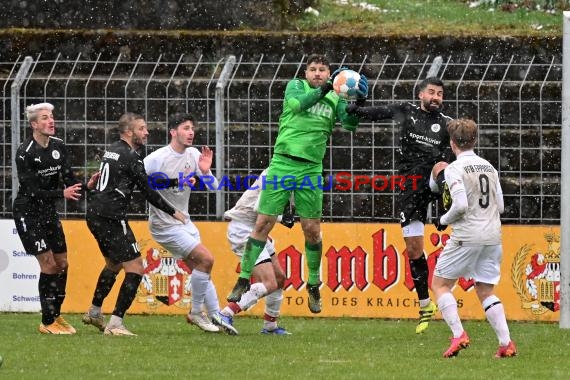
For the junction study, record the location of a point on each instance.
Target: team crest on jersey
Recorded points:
(435, 128)
(166, 280)
(55, 154)
(536, 276)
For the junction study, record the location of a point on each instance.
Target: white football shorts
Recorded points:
(415, 228)
(481, 263)
(238, 233)
(178, 239)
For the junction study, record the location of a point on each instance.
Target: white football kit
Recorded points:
(179, 239)
(474, 249)
(242, 219)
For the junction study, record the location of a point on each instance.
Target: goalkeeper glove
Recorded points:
(362, 92)
(438, 225)
(352, 108)
(336, 72)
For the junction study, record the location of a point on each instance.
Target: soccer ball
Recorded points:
(346, 84)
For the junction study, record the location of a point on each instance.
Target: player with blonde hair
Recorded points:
(41, 161)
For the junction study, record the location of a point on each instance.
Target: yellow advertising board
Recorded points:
(364, 271)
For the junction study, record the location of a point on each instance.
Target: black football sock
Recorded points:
(419, 269)
(47, 286)
(127, 293)
(104, 285)
(61, 285)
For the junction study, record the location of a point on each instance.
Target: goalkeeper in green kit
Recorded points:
(310, 112)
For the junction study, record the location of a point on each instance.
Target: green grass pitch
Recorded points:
(320, 348)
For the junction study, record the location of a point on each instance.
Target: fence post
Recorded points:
(565, 180)
(220, 121)
(435, 66)
(15, 111)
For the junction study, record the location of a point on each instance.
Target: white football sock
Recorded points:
(250, 298)
(273, 303)
(424, 303)
(211, 299)
(199, 284)
(269, 325)
(115, 321)
(495, 312)
(448, 306)
(227, 311)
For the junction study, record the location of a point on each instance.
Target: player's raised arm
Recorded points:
(299, 99)
(376, 113)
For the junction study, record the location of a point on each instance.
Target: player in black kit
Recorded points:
(120, 171)
(41, 162)
(424, 141)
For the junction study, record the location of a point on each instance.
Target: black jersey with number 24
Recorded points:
(39, 171)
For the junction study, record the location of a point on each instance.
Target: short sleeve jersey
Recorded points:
(122, 170)
(481, 224)
(167, 161)
(40, 172)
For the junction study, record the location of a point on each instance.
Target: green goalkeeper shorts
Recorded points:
(286, 176)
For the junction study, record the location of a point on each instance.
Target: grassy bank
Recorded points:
(432, 17)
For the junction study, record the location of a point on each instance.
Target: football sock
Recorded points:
(199, 282)
(250, 298)
(273, 303)
(105, 283)
(269, 322)
(127, 293)
(314, 253)
(495, 312)
(419, 269)
(61, 285)
(47, 287)
(115, 321)
(231, 310)
(211, 299)
(94, 311)
(253, 249)
(448, 307)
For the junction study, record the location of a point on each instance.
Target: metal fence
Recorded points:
(517, 104)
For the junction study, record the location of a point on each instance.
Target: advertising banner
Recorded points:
(19, 272)
(365, 272)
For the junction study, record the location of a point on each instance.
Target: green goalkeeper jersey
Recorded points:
(308, 119)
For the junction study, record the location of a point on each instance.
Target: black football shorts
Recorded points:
(40, 234)
(115, 238)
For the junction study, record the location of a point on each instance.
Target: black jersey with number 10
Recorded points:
(121, 170)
